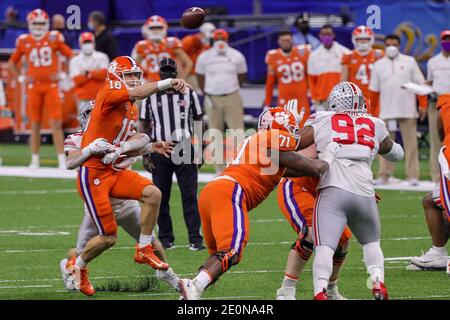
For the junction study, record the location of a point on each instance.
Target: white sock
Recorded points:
(374, 260)
(61, 160)
(440, 250)
(322, 268)
(202, 280)
(80, 263)
(145, 239)
(289, 281)
(35, 158)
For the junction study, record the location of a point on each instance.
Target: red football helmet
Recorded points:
(278, 119)
(38, 23)
(363, 33)
(125, 69)
(155, 28)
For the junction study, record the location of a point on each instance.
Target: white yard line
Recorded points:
(26, 287)
(28, 192)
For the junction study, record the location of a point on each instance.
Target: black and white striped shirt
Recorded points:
(171, 114)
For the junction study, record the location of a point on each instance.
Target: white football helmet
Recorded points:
(346, 97)
(85, 113)
(154, 28)
(207, 30)
(363, 33)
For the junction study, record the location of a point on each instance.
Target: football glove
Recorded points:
(100, 146)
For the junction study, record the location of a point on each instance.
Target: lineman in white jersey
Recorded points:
(346, 194)
(127, 212)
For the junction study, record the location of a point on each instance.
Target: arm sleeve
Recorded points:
(270, 83)
(374, 103)
(312, 77)
(18, 51)
(429, 71)
(195, 105)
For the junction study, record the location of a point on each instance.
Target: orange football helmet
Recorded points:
(363, 33)
(278, 119)
(125, 70)
(38, 23)
(155, 28)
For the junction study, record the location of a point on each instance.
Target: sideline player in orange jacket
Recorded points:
(112, 119)
(287, 66)
(261, 161)
(41, 48)
(156, 46)
(358, 63)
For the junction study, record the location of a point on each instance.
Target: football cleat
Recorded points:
(448, 267)
(146, 255)
(66, 266)
(188, 290)
(321, 295)
(379, 291)
(333, 294)
(431, 260)
(286, 293)
(82, 282)
(170, 277)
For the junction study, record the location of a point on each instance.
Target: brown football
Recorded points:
(193, 18)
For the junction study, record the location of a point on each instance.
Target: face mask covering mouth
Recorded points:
(392, 51)
(327, 40)
(446, 46)
(220, 46)
(87, 48)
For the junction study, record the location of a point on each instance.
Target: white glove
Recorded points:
(330, 152)
(100, 146)
(292, 107)
(112, 156)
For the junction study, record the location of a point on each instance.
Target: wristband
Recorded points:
(164, 84)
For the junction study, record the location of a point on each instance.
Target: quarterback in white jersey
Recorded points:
(346, 194)
(126, 212)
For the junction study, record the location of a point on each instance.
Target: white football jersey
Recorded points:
(121, 208)
(360, 137)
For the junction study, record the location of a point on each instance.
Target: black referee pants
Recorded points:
(187, 176)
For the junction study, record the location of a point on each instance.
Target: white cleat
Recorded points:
(34, 165)
(286, 293)
(188, 290)
(170, 277)
(431, 260)
(333, 294)
(67, 276)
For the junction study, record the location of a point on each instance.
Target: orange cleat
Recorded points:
(321, 295)
(82, 282)
(146, 255)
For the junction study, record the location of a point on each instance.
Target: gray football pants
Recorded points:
(336, 208)
(130, 223)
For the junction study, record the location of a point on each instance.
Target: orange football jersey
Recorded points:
(290, 72)
(359, 67)
(193, 46)
(153, 52)
(41, 55)
(112, 118)
(254, 170)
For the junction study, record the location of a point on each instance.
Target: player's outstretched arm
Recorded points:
(391, 150)
(299, 166)
(76, 158)
(149, 88)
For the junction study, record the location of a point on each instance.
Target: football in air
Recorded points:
(193, 18)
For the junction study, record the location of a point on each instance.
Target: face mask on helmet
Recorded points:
(155, 33)
(87, 48)
(132, 79)
(85, 114)
(38, 28)
(363, 44)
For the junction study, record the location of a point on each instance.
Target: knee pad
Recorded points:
(303, 247)
(339, 256)
(227, 259)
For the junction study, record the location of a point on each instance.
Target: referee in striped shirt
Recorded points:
(170, 116)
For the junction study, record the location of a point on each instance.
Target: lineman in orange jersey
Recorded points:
(40, 47)
(156, 46)
(112, 119)
(287, 66)
(261, 161)
(357, 64)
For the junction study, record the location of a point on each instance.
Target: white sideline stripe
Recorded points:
(44, 172)
(423, 297)
(20, 192)
(26, 287)
(186, 246)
